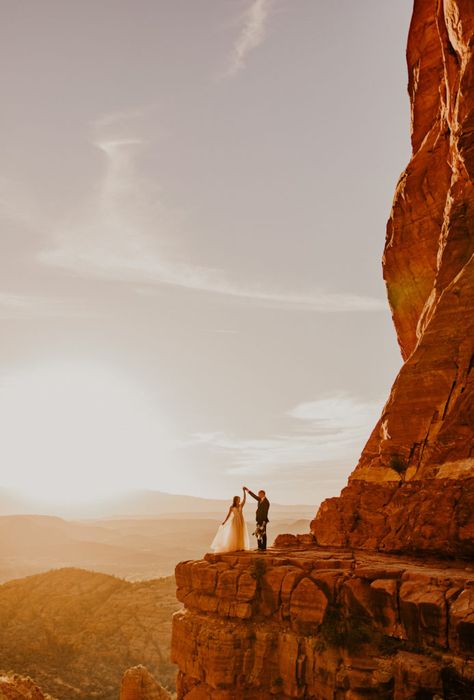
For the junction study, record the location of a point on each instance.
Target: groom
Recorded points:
(261, 517)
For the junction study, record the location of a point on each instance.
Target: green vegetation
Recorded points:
(258, 568)
(332, 628)
(353, 632)
(455, 687)
(398, 464)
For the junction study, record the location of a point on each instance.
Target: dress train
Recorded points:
(233, 536)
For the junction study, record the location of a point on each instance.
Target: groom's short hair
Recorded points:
(261, 491)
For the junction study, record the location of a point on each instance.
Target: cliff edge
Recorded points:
(308, 622)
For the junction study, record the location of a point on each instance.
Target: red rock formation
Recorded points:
(413, 489)
(16, 687)
(353, 622)
(321, 624)
(139, 684)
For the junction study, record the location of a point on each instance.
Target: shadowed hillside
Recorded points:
(75, 632)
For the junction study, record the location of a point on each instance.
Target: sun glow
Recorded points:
(75, 434)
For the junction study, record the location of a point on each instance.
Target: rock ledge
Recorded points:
(312, 622)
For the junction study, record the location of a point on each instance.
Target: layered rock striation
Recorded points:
(323, 624)
(413, 489)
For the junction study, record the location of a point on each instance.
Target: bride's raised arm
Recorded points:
(244, 498)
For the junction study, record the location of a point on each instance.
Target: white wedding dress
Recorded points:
(233, 536)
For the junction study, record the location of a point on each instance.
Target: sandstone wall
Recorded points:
(321, 624)
(417, 468)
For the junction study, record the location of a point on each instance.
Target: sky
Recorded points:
(193, 200)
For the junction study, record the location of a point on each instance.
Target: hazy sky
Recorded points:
(193, 200)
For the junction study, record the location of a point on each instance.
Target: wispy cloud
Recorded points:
(331, 429)
(127, 234)
(252, 34)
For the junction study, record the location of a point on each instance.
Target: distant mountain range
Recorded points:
(133, 548)
(139, 536)
(138, 503)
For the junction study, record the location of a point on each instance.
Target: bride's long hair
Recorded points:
(236, 502)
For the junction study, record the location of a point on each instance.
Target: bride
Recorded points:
(232, 535)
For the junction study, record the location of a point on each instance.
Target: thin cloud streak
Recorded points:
(251, 36)
(332, 429)
(128, 233)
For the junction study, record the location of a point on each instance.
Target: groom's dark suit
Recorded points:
(261, 516)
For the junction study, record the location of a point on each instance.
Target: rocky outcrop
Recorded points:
(323, 624)
(139, 684)
(417, 516)
(16, 687)
(413, 489)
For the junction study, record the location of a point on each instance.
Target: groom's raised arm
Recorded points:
(251, 493)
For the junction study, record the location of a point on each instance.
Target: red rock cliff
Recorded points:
(320, 624)
(413, 489)
(353, 611)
